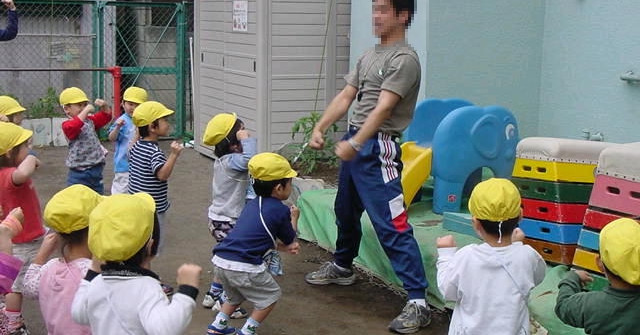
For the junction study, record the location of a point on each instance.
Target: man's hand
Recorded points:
(317, 140)
(345, 151)
(447, 241)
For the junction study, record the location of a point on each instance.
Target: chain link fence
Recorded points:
(72, 43)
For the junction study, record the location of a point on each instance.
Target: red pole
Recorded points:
(116, 72)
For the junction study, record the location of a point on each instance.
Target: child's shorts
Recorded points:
(220, 229)
(258, 288)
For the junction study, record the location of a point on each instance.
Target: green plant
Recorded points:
(45, 107)
(305, 158)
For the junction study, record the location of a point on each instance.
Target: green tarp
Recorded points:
(317, 224)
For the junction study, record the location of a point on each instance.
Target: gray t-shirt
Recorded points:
(394, 68)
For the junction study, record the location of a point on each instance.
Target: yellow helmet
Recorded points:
(9, 105)
(72, 95)
(135, 94)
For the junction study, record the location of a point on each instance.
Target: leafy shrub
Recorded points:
(46, 107)
(305, 158)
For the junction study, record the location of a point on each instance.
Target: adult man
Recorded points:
(385, 84)
(12, 28)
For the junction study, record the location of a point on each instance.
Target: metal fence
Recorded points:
(71, 43)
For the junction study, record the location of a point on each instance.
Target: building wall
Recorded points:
(587, 46)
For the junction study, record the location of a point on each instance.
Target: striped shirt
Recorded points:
(145, 160)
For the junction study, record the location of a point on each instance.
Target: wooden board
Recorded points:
(553, 191)
(553, 211)
(553, 252)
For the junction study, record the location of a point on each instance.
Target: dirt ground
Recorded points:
(363, 308)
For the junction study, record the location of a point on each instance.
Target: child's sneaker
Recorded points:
(208, 301)
(213, 330)
(239, 313)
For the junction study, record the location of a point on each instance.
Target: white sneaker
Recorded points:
(208, 301)
(239, 313)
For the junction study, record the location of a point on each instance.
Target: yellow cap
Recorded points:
(135, 94)
(268, 166)
(72, 95)
(620, 249)
(149, 111)
(69, 209)
(496, 200)
(120, 226)
(12, 135)
(9, 105)
(218, 128)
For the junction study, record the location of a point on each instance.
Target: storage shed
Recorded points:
(269, 61)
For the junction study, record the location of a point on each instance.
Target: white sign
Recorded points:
(240, 15)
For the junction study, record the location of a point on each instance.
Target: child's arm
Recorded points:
(34, 272)
(115, 130)
(103, 117)
(448, 275)
(571, 301)
(240, 161)
(25, 170)
(174, 318)
(72, 128)
(295, 214)
(165, 171)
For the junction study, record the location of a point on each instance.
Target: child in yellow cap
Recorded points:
(239, 256)
(490, 282)
(86, 156)
(613, 310)
(149, 168)
(55, 283)
(230, 187)
(123, 133)
(126, 297)
(11, 110)
(17, 167)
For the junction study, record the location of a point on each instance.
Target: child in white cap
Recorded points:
(490, 282)
(55, 283)
(238, 259)
(126, 297)
(613, 310)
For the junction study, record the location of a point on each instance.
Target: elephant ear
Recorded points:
(486, 135)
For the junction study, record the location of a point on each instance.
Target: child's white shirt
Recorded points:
(482, 281)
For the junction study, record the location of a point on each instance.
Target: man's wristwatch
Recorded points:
(355, 145)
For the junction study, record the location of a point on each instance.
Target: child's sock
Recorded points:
(420, 302)
(250, 327)
(221, 321)
(14, 319)
(215, 290)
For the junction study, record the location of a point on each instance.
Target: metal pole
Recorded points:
(180, 68)
(116, 72)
